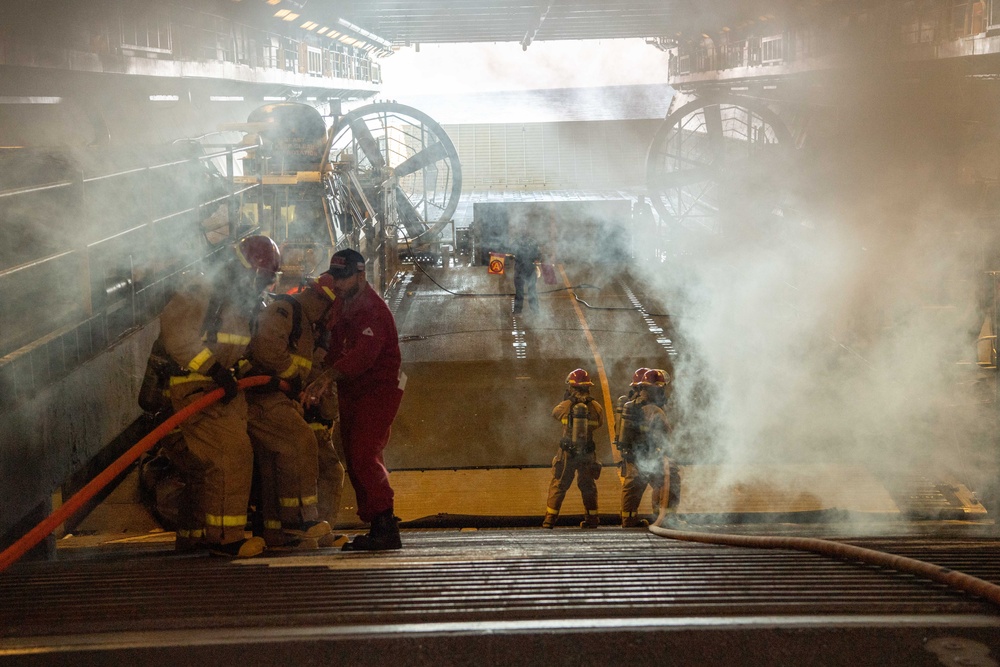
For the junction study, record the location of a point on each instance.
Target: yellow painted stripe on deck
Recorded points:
(609, 409)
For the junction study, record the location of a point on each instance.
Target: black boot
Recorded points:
(383, 536)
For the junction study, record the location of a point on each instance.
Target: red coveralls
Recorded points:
(364, 347)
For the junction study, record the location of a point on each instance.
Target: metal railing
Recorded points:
(117, 261)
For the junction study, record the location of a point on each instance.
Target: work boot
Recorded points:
(186, 545)
(247, 548)
(550, 520)
(308, 529)
(633, 522)
(383, 536)
(332, 540)
(590, 521)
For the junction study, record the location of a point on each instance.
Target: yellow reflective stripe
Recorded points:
(329, 292)
(316, 426)
(190, 534)
(549, 510)
(200, 359)
(272, 524)
(233, 339)
(242, 364)
(295, 502)
(589, 512)
(226, 520)
(565, 421)
(290, 371)
(192, 377)
(629, 515)
(304, 363)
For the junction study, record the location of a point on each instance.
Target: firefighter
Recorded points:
(282, 346)
(633, 391)
(323, 418)
(642, 443)
(364, 361)
(580, 415)
(205, 329)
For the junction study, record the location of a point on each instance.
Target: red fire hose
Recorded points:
(951, 578)
(14, 552)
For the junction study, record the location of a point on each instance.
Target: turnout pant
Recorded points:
(585, 467)
(286, 459)
(218, 465)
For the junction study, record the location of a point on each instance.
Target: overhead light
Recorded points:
(272, 98)
(30, 100)
(282, 12)
(163, 98)
(322, 30)
(290, 17)
(309, 25)
(274, 2)
(364, 33)
(225, 98)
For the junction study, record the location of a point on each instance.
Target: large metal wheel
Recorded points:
(721, 165)
(407, 158)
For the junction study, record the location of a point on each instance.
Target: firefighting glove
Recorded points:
(314, 416)
(224, 378)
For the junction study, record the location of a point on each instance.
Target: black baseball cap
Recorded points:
(345, 263)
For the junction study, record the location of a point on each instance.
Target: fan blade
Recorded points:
(418, 161)
(367, 142)
(408, 214)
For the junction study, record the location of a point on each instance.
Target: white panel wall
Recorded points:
(544, 156)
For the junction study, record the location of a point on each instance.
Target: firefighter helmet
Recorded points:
(579, 378)
(637, 376)
(654, 377)
(259, 254)
(323, 284)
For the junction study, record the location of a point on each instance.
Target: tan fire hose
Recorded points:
(14, 552)
(846, 552)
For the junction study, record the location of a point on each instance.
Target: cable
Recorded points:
(14, 552)
(964, 582)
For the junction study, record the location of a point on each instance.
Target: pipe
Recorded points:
(964, 582)
(14, 552)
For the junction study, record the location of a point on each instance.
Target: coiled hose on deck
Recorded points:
(14, 552)
(951, 578)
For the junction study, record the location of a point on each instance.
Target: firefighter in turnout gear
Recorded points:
(323, 419)
(580, 416)
(633, 391)
(205, 330)
(642, 441)
(282, 346)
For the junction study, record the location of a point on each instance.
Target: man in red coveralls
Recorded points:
(364, 361)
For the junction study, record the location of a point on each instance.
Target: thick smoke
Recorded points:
(846, 335)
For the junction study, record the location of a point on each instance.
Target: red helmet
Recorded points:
(260, 254)
(323, 284)
(579, 378)
(637, 376)
(654, 377)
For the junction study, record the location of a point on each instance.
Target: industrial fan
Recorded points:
(407, 167)
(721, 165)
